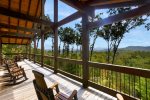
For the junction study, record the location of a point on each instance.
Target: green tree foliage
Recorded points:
(67, 36)
(114, 33)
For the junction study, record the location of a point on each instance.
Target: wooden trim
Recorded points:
(122, 69)
(126, 15)
(70, 18)
(18, 15)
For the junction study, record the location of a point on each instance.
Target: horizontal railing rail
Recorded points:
(131, 82)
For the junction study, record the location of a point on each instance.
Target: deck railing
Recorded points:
(132, 83)
(12, 55)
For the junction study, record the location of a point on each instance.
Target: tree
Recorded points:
(67, 35)
(114, 33)
(48, 34)
(78, 40)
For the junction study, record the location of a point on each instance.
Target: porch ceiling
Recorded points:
(18, 19)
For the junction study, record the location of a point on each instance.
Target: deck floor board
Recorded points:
(25, 89)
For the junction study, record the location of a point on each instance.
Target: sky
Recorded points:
(136, 37)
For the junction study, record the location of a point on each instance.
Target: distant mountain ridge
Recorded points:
(136, 48)
(129, 48)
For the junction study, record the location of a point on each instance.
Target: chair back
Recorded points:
(41, 87)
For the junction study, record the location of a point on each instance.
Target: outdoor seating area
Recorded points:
(25, 90)
(35, 75)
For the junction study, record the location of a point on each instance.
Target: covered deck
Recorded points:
(21, 21)
(25, 90)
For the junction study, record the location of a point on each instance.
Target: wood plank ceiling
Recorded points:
(18, 19)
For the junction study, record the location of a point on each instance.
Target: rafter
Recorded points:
(70, 18)
(14, 14)
(29, 5)
(20, 1)
(9, 4)
(126, 15)
(102, 2)
(15, 43)
(122, 4)
(37, 7)
(13, 34)
(18, 28)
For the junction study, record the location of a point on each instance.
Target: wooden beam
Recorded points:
(9, 4)
(20, 1)
(19, 28)
(14, 14)
(122, 4)
(85, 49)
(70, 18)
(36, 12)
(29, 6)
(55, 36)
(102, 2)
(75, 4)
(14, 43)
(126, 15)
(13, 34)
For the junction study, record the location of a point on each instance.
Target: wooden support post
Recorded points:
(34, 48)
(42, 33)
(29, 52)
(85, 49)
(26, 54)
(0, 52)
(42, 48)
(55, 35)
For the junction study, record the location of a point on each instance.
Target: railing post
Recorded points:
(0, 52)
(42, 48)
(26, 52)
(29, 52)
(55, 35)
(34, 48)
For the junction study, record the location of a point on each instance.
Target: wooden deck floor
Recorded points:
(25, 90)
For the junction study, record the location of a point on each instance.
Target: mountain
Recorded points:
(136, 48)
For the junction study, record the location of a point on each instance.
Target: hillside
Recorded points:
(136, 48)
